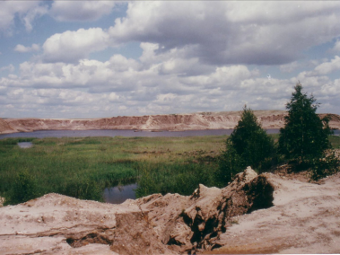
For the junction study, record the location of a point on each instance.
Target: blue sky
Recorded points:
(89, 59)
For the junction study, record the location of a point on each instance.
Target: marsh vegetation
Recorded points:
(84, 167)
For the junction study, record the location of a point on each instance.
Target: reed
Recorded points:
(84, 167)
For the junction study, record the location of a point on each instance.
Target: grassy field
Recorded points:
(84, 167)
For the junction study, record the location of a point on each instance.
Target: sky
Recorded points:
(93, 59)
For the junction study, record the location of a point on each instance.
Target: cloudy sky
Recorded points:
(80, 59)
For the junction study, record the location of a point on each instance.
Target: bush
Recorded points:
(326, 166)
(248, 145)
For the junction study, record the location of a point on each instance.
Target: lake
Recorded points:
(125, 133)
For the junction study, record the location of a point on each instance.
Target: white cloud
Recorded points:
(328, 67)
(288, 68)
(10, 68)
(32, 14)
(80, 10)
(26, 10)
(231, 32)
(24, 49)
(125, 86)
(71, 46)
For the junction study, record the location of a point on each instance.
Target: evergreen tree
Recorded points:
(305, 135)
(248, 145)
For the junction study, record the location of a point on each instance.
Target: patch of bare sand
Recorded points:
(305, 218)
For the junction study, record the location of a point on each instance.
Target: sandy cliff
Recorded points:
(255, 214)
(174, 122)
(5, 128)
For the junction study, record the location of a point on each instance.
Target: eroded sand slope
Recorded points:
(255, 213)
(174, 122)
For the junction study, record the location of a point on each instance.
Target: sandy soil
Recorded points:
(305, 218)
(264, 213)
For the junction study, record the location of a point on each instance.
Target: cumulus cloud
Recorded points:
(328, 67)
(80, 10)
(130, 87)
(231, 32)
(71, 46)
(196, 56)
(24, 49)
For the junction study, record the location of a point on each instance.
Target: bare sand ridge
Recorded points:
(174, 122)
(254, 214)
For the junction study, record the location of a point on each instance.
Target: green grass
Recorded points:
(84, 167)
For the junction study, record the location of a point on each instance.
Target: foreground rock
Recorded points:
(255, 213)
(175, 122)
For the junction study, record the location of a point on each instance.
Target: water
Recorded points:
(128, 133)
(125, 133)
(25, 145)
(118, 194)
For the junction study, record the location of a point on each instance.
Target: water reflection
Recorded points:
(118, 194)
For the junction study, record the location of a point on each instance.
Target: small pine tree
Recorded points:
(305, 135)
(248, 145)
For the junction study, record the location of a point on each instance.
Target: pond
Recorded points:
(25, 145)
(118, 194)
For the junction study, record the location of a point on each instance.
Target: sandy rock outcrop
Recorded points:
(174, 122)
(254, 214)
(5, 128)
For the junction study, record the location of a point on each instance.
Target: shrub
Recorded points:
(322, 167)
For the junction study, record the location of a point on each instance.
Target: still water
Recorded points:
(126, 133)
(118, 194)
(25, 145)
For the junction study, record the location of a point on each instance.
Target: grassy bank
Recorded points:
(83, 167)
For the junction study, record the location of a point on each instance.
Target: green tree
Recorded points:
(305, 135)
(248, 145)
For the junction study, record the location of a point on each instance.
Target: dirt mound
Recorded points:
(255, 213)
